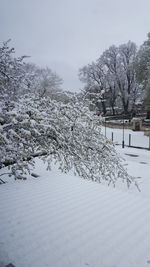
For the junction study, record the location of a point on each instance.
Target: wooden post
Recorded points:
(112, 136)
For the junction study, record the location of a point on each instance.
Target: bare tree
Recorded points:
(95, 84)
(120, 61)
(47, 82)
(43, 80)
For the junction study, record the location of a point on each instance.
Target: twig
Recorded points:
(5, 173)
(2, 182)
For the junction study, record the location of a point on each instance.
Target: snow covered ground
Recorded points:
(59, 220)
(137, 162)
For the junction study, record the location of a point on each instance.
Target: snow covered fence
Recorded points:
(130, 138)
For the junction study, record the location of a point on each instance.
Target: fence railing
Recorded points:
(126, 137)
(129, 143)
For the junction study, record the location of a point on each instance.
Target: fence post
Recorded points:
(123, 134)
(129, 139)
(112, 136)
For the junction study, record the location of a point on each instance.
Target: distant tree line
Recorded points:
(119, 79)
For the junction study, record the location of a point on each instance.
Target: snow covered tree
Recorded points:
(66, 133)
(130, 92)
(143, 70)
(12, 73)
(95, 85)
(120, 61)
(18, 77)
(47, 82)
(113, 78)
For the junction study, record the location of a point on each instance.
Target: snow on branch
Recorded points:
(67, 133)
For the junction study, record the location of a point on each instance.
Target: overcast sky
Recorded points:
(68, 34)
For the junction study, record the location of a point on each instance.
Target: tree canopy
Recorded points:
(112, 77)
(143, 69)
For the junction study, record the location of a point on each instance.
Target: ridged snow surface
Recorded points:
(59, 220)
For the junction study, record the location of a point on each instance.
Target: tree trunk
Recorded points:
(103, 107)
(148, 114)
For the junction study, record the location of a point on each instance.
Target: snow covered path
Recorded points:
(64, 221)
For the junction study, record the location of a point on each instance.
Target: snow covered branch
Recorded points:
(67, 133)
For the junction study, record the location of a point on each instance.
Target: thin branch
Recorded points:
(2, 182)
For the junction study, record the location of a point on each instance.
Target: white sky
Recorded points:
(67, 34)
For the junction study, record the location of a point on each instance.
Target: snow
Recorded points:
(61, 220)
(137, 163)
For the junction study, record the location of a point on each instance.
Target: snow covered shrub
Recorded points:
(66, 133)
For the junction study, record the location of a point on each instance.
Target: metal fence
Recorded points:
(126, 137)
